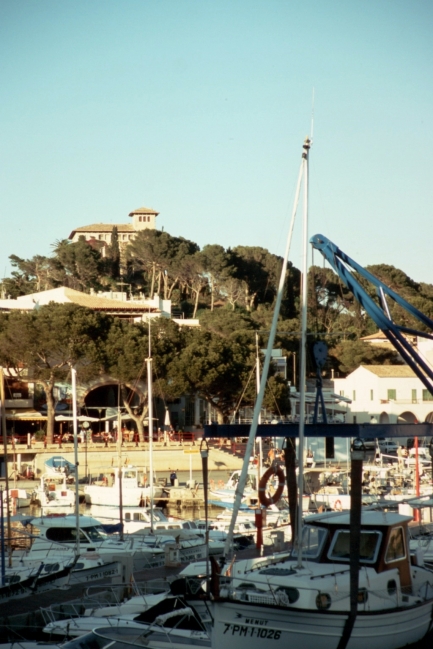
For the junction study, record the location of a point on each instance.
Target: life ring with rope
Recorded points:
(265, 500)
(212, 483)
(220, 484)
(338, 507)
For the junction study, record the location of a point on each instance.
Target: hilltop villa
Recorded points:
(144, 218)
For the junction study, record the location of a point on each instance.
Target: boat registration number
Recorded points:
(251, 631)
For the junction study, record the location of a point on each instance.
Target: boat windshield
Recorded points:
(369, 546)
(95, 533)
(313, 539)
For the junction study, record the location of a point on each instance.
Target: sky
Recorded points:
(199, 108)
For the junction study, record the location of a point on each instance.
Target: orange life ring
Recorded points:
(264, 500)
(211, 484)
(338, 507)
(220, 484)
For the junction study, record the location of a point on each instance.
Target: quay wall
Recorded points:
(97, 457)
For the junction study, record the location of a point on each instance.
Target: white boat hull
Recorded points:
(109, 496)
(253, 626)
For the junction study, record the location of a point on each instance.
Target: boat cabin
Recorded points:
(63, 529)
(383, 543)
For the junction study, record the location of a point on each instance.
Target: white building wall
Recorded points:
(370, 398)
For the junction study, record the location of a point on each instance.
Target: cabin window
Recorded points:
(65, 535)
(313, 539)
(395, 550)
(127, 516)
(136, 516)
(369, 546)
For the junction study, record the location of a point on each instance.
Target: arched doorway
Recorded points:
(384, 418)
(407, 418)
(429, 418)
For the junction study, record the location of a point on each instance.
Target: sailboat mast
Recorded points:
(260, 464)
(258, 405)
(119, 459)
(5, 448)
(150, 427)
(75, 429)
(303, 350)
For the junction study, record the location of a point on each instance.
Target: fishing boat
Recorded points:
(135, 491)
(275, 598)
(351, 579)
(53, 491)
(22, 580)
(17, 498)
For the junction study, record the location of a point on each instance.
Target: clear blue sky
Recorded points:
(199, 108)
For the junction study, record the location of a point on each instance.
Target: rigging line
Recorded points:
(135, 382)
(245, 389)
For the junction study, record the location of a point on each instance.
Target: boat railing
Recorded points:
(94, 599)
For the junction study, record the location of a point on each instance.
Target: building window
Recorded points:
(392, 395)
(354, 395)
(414, 397)
(427, 396)
(341, 393)
(371, 395)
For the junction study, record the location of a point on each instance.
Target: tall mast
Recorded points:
(150, 427)
(258, 405)
(75, 429)
(5, 448)
(303, 354)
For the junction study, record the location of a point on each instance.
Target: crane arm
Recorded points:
(346, 268)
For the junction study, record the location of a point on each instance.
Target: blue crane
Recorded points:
(345, 267)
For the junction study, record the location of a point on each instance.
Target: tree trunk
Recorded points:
(152, 285)
(197, 293)
(138, 419)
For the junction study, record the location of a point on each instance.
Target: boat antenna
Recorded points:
(312, 119)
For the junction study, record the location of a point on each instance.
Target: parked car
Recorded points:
(387, 446)
(369, 443)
